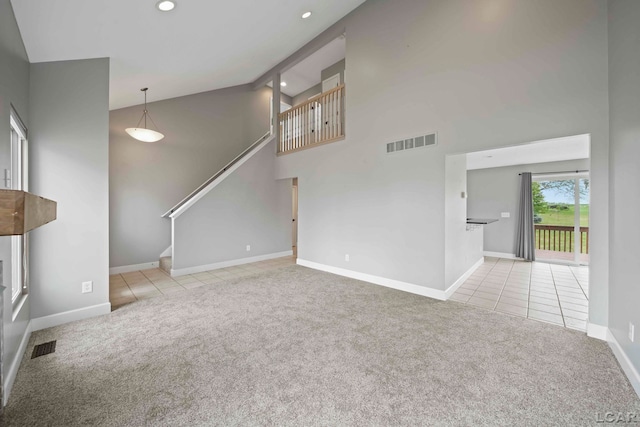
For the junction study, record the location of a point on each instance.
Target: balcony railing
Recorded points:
(560, 238)
(319, 120)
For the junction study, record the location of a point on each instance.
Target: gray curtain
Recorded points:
(525, 234)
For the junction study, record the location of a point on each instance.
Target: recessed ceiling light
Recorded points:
(166, 5)
(283, 84)
(306, 15)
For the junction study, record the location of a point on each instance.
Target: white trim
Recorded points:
(625, 363)
(18, 306)
(70, 316)
(597, 331)
(499, 255)
(167, 252)
(451, 289)
(377, 280)
(231, 263)
(200, 194)
(173, 238)
(134, 267)
(15, 364)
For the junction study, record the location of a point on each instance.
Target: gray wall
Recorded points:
(68, 149)
(248, 208)
(624, 98)
(14, 90)
(463, 248)
(496, 190)
(337, 68)
(483, 75)
(203, 132)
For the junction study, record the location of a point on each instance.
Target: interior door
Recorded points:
(331, 82)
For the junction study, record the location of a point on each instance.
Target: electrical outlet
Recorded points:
(346, 257)
(248, 248)
(505, 214)
(632, 332)
(87, 287)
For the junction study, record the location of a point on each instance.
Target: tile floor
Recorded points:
(550, 293)
(129, 287)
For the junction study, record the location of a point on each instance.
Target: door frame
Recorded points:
(575, 177)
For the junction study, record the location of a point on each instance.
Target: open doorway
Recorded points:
(550, 289)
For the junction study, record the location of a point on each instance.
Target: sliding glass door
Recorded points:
(561, 217)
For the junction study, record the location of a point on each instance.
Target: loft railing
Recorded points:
(560, 238)
(217, 175)
(319, 120)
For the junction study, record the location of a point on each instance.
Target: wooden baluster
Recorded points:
(333, 115)
(334, 95)
(570, 241)
(339, 117)
(280, 137)
(326, 117)
(295, 141)
(289, 129)
(321, 120)
(306, 124)
(338, 112)
(287, 125)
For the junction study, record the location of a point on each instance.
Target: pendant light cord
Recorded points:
(145, 113)
(145, 108)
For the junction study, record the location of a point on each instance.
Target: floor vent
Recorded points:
(408, 144)
(43, 349)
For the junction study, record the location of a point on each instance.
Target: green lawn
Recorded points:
(565, 216)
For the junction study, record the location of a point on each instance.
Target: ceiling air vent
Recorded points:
(408, 144)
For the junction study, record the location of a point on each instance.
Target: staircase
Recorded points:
(198, 192)
(250, 172)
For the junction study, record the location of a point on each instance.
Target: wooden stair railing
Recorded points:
(319, 120)
(217, 175)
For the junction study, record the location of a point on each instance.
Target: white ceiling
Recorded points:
(550, 150)
(306, 73)
(201, 45)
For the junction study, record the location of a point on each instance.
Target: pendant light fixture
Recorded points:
(145, 134)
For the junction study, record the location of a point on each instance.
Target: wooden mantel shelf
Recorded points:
(21, 212)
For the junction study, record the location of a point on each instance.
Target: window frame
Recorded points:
(18, 180)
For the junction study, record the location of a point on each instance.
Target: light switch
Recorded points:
(505, 214)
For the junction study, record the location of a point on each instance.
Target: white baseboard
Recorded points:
(625, 363)
(134, 267)
(597, 331)
(15, 364)
(451, 289)
(69, 316)
(377, 280)
(231, 263)
(499, 255)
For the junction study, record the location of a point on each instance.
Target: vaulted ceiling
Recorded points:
(201, 45)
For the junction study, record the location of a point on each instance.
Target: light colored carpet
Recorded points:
(300, 347)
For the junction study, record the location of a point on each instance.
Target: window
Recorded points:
(16, 179)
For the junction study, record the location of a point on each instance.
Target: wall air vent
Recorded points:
(408, 144)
